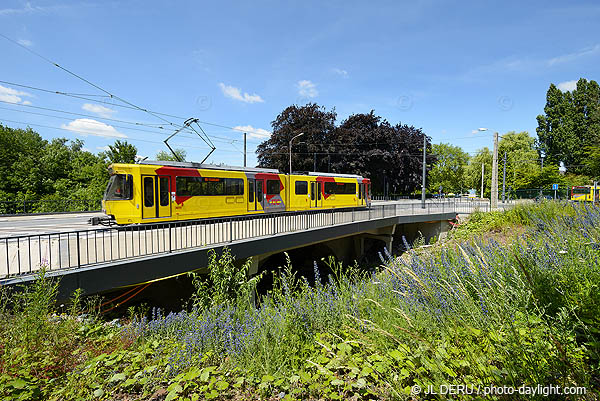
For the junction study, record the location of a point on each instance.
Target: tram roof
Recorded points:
(208, 166)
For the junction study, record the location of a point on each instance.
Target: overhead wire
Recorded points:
(105, 136)
(122, 106)
(111, 95)
(217, 138)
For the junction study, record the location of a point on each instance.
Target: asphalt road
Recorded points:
(12, 226)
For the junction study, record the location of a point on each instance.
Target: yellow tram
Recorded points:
(160, 191)
(585, 193)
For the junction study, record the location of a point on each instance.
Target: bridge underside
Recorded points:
(102, 277)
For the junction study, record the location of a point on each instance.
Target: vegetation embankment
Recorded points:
(470, 312)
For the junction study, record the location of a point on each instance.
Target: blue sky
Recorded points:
(445, 68)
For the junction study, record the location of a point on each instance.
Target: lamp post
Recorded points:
(290, 147)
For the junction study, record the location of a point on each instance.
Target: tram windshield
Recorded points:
(120, 187)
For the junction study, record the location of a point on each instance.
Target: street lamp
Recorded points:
(290, 147)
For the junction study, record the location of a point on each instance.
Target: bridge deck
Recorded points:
(110, 257)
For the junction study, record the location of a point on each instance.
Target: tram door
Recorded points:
(156, 197)
(361, 194)
(316, 197)
(255, 195)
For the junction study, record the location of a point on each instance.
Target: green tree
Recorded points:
(121, 152)
(448, 171)
(20, 167)
(570, 124)
(522, 160)
(168, 156)
(473, 171)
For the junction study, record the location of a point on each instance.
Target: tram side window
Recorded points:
(120, 187)
(164, 191)
(209, 186)
(250, 191)
(148, 191)
(340, 188)
(234, 186)
(273, 187)
(301, 188)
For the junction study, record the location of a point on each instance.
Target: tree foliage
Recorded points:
(362, 144)
(448, 171)
(570, 124)
(318, 126)
(473, 171)
(522, 160)
(168, 156)
(34, 168)
(121, 152)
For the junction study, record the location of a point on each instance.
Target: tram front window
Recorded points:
(120, 187)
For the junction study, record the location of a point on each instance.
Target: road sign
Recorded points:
(555, 187)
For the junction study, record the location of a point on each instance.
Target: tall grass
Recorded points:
(476, 312)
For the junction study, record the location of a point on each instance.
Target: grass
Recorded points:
(469, 311)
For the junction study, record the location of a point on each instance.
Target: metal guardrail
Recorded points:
(21, 255)
(49, 206)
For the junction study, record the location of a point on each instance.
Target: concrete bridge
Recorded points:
(101, 259)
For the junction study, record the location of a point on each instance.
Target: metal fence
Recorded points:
(49, 206)
(70, 250)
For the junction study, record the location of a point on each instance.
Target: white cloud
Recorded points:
(87, 126)
(254, 132)
(565, 58)
(340, 72)
(98, 109)
(28, 9)
(567, 85)
(307, 89)
(236, 93)
(103, 148)
(11, 95)
(25, 42)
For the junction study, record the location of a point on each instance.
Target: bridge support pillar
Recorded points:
(385, 234)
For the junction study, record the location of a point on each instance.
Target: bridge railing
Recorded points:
(21, 255)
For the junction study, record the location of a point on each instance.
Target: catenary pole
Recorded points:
(504, 179)
(494, 189)
(424, 171)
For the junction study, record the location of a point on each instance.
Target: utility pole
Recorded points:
(541, 193)
(424, 171)
(315, 161)
(244, 149)
(494, 189)
(328, 162)
(482, 175)
(504, 179)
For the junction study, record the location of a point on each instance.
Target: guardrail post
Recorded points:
(170, 241)
(230, 230)
(78, 251)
